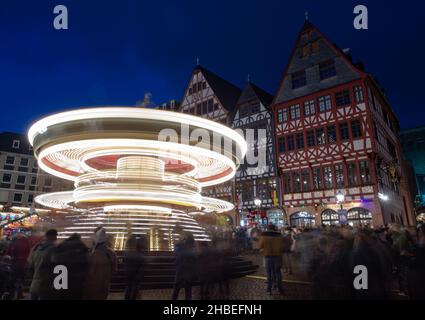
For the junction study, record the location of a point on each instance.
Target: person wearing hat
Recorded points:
(102, 264)
(271, 246)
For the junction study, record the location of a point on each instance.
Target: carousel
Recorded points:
(135, 171)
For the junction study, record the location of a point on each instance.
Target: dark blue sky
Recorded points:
(115, 51)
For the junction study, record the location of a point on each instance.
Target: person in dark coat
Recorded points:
(19, 251)
(42, 267)
(102, 265)
(73, 254)
(185, 266)
(134, 263)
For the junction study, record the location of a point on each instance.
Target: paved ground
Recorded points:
(248, 288)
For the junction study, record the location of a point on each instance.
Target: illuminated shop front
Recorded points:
(302, 219)
(136, 171)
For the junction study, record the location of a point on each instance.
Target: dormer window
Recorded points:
(327, 69)
(16, 144)
(299, 79)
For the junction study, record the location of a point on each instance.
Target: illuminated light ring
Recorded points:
(56, 200)
(125, 151)
(126, 193)
(42, 125)
(216, 205)
(117, 223)
(168, 180)
(71, 160)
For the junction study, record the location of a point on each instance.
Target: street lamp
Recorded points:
(257, 203)
(340, 198)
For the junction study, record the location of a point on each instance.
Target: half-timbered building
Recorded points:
(336, 137)
(210, 96)
(256, 178)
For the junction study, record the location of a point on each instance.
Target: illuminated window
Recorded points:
(358, 94)
(325, 103)
(282, 115)
(295, 112)
(309, 108)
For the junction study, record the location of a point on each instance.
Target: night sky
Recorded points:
(115, 51)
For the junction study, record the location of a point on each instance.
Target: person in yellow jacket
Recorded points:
(271, 246)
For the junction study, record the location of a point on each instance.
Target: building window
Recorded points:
(199, 109)
(358, 94)
(331, 133)
(33, 180)
(359, 217)
(30, 198)
(16, 144)
(343, 131)
(204, 85)
(24, 162)
(317, 178)
(320, 136)
(21, 179)
(352, 174)
(287, 182)
(305, 177)
(282, 115)
(255, 108)
(7, 177)
(17, 197)
(215, 106)
(10, 160)
(302, 219)
(309, 109)
(364, 172)
(281, 145)
(339, 176)
(327, 69)
(300, 141)
(290, 143)
(342, 98)
(330, 218)
(199, 86)
(325, 103)
(204, 107)
(295, 112)
(297, 181)
(190, 91)
(311, 140)
(356, 129)
(327, 177)
(299, 79)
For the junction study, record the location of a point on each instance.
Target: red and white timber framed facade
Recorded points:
(336, 133)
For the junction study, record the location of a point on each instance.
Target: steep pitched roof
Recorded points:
(327, 50)
(226, 92)
(265, 97)
(251, 91)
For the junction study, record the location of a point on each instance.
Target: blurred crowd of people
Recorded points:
(88, 274)
(393, 255)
